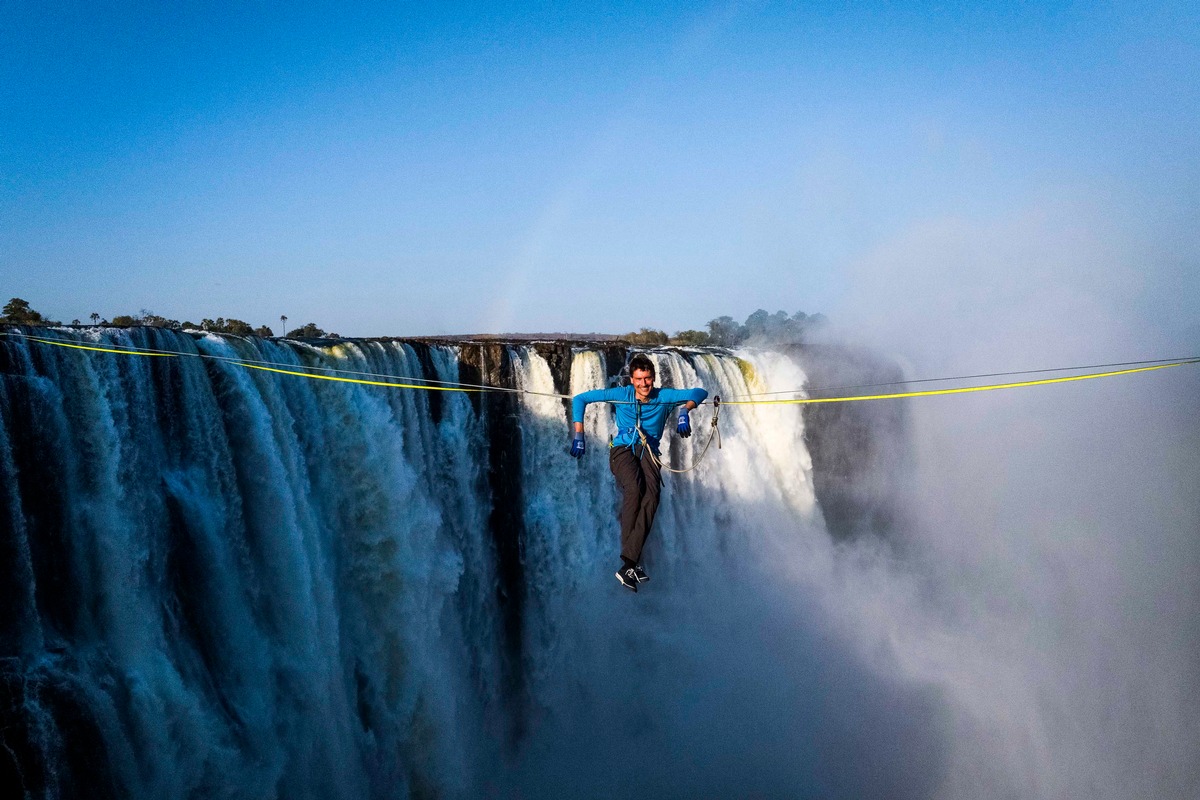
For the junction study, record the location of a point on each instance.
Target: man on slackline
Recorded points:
(641, 413)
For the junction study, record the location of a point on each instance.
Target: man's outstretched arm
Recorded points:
(579, 404)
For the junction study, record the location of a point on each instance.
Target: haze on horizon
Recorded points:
(396, 169)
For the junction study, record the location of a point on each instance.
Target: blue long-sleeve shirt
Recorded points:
(650, 415)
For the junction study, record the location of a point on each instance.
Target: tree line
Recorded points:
(760, 327)
(19, 312)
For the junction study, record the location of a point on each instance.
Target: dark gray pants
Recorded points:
(640, 483)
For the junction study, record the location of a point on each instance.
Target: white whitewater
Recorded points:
(228, 583)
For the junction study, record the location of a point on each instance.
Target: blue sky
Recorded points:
(408, 169)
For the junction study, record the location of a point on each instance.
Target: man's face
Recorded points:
(643, 382)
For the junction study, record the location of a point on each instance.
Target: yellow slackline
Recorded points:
(358, 380)
(132, 351)
(960, 390)
(264, 366)
(279, 370)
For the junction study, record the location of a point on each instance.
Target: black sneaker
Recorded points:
(640, 574)
(628, 578)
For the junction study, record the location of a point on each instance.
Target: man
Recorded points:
(642, 412)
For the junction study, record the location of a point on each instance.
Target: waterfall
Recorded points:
(227, 582)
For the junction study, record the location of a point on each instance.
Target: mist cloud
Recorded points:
(1053, 547)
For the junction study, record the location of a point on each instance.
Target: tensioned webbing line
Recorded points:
(960, 389)
(426, 384)
(386, 380)
(399, 382)
(972, 377)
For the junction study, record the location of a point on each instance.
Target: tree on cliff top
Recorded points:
(222, 325)
(762, 327)
(647, 337)
(691, 338)
(18, 312)
(307, 331)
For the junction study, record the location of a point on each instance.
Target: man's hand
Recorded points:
(684, 428)
(577, 445)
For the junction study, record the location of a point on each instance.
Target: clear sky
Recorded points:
(430, 168)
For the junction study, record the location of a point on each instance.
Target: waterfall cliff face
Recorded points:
(224, 582)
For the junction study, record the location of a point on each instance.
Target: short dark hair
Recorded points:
(643, 363)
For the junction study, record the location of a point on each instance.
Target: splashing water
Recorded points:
(230, 583)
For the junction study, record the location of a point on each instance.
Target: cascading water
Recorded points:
(225, 582)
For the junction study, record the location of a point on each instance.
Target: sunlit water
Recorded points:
(232, 583)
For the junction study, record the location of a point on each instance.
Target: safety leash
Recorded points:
(714, 433)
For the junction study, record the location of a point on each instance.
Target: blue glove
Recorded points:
(577, 446)
(684, 428)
